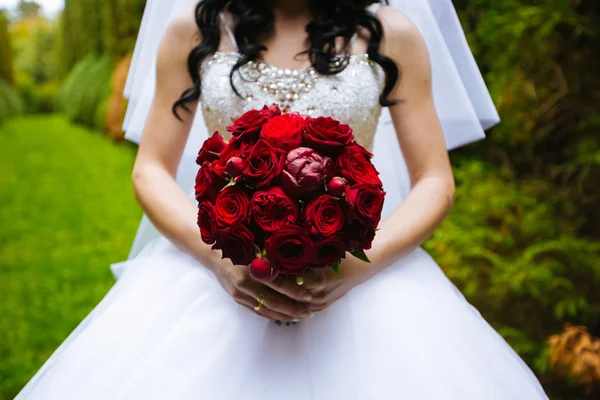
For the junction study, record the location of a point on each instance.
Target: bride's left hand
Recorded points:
(326, 286)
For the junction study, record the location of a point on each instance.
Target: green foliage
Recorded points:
(86, 89)
(6, 53)
(34, 41)
(523, 241)
(67, 194)
(10, 101)
(28, 8)
(34, 50)
(87, 27)
(92, 35)
(39, 98)
(514, 254)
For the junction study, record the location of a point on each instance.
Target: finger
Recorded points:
(281, 304)
(250, 303)
(314, 280)
(318, 305)
(290, 288)
(274, 300)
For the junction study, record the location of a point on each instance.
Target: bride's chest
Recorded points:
(351, 96)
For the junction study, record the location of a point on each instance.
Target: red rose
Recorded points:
(290, 249)
(211, 148)
(237, 244)
(250, 123)
(273, 209)
(305, 171)
(208, 184)
(324, 216)
(327, 135)
(355, 165)
(358, 235)
(264, 164)
(366, 201)
(207, 222)
(329, 250)
(232, 206)
(284, 132)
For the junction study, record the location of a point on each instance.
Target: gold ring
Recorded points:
(261, 298)
(299, 281)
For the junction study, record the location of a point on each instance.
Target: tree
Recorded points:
(28, 9)
(6, 53)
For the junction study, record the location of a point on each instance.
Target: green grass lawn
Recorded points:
(67, 211)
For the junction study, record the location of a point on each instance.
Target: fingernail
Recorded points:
(296, 320)
(307, 314)
(307, 297)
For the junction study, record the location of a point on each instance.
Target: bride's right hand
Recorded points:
(283, 300)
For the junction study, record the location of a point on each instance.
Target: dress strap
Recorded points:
(227, 28)
(353, 38)
(374, 7)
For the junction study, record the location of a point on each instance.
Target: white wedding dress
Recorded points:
(167, 330)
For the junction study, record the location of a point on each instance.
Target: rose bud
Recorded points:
(272, 110)
(337, 187)
(262, 270)
(235, 166)
(305, 170)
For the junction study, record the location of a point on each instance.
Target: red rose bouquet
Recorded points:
(287, 193)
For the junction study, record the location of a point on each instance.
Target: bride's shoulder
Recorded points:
(182, 33)
(401, 37)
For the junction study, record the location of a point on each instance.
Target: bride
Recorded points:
(182, 323)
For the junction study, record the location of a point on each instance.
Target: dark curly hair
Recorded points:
(332, 19)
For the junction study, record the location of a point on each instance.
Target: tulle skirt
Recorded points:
(167, 330)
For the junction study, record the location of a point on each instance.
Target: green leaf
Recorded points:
(360, 254)
(336, 266)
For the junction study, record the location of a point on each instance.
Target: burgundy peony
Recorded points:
(211, 149)
(355, 165)
(329, 250)
(366, 202)
(207, 222)
(337, 187)
(208, 184)
(237, 244)
(290, 249)
(324, 216)
(305, 172)
(273, 209)
(327, 135)
(232, 206)
(262, 270)
(284, 131)
(264, 164)
(248, 126)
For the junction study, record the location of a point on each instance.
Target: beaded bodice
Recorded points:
(351, 96)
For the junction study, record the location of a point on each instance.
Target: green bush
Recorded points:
(86, 89)
(39, 98)
(10, 101)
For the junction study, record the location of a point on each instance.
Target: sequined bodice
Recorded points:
(351, 96)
